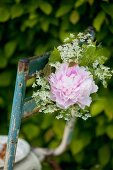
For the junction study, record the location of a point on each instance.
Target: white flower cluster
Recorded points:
(103, 73)
(83, 37)
(55, 65)
(75, 112)
(72, 52)
(42, 95)
(46, 105)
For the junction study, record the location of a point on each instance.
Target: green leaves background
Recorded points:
(33, 27)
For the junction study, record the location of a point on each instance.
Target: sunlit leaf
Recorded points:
(55, 56)
(109, 131)
(49, 135)
(104, 154)
(30, 82)
(90, 2)
(10, 48)
(64, 9)
(45, 7)
(108, 8)
(63, 34)
(100, 130)
(4, 14)
(74, 17)
(79, 3)
(97, 107)
(109, 107)
(89, 55)
(58, 131)
(30, 130)
(16, 11)
(77, 146)
(45, 25)
(98, 20)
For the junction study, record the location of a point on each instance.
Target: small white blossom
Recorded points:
(102, 72)
(72, 35)
(66, 39)
(55, 65)
(60, 116)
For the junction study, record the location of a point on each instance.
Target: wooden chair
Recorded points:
(23, 107)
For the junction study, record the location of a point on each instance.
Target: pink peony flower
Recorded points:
(72, 85)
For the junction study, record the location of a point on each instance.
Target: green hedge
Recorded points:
(32, 27)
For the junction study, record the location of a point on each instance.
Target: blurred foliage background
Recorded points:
(32, 27)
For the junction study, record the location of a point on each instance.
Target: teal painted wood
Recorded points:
(37, 63)
(16, 115)
(26, 69)
(29, 107)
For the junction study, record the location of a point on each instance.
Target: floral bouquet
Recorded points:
(67, 84)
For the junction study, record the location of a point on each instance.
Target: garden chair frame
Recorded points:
(24, 107)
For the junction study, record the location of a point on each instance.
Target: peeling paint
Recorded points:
(23, 65)
(26, 69)
(16, 115)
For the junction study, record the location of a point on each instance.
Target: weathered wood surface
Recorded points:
(23, 107)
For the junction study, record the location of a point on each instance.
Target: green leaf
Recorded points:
(97, 107)
(111, 28)
(74, 17)
(10, 48)
(58, 131)
(79, 142)
(108, 107)
(31, 131)
(88, 55)
(109, 131)
(2, 102)
(98, 21)
(31, 6)
(55, 56)
(3, 61)
(76, 146)
(48, 135)
(104, 155)
(102, 52)
(17, 1)
(4, 14)
(29, 23)
(64, 9)
(63, 34)
(79, 157)
(100, 130)
(90, 2)
(47, 121)
(79, 3)
(40, 49)
(47, 70)
(30, 82)
(5, 79)
(45, 7)
(103, 104)
(45, 25)
(108, 8)
(16, 11)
